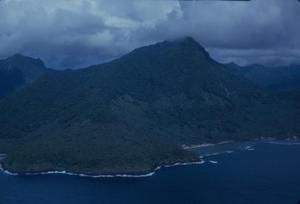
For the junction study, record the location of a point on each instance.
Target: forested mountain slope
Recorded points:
(134, 113)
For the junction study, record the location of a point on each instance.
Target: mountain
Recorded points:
(272, 78)
(136, 112)
(17, 71)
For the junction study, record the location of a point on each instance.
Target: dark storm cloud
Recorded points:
(85, 32)
(247, 32)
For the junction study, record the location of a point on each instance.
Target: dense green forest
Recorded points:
(136, 112)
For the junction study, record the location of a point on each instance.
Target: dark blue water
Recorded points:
(268, 175)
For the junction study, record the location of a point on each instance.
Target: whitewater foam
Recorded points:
(102, 175)
(249, 148)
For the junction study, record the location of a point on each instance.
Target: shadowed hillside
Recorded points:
(17, 71)
(272, 78)
(136, 112)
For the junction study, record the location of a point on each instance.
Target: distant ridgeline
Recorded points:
(136, 112)
(272, 78)
(17, 71)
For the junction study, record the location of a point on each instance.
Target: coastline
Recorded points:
(119, 175)
(189, 147)
(69, 173)
(288, 141)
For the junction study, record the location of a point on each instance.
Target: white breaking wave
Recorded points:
(102, 175)
(249, 148)
(197, 146)
(7, 172)
(289, 141)
(187, 147)
(283, 143)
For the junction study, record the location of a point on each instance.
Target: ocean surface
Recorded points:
(259, 173)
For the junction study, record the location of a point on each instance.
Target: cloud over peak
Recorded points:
(82, 32)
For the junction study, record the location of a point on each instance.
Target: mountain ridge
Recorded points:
(280, 78)
(17, 71)
(135, 113)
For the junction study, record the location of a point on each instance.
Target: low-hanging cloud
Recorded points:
(82, 32)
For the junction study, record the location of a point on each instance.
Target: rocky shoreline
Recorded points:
(119, 175)
(151, 172)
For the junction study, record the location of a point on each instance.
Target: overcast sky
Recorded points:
(78, 33)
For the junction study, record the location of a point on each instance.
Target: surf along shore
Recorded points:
(216, 149)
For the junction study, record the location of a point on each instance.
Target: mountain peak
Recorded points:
(19, 60)
(187, 39)
(184, 48)
(28, 68)
(18, 56)
(188, 43)
(138, 110)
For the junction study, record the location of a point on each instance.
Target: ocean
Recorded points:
(246, 173)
